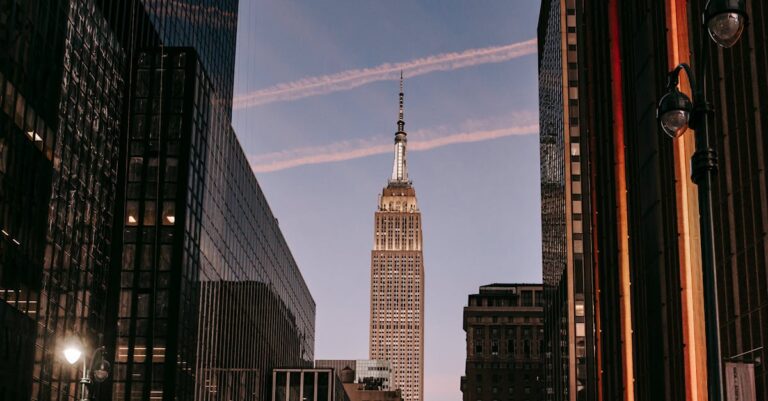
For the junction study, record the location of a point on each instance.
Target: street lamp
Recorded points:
(725, 21)
(73, 350)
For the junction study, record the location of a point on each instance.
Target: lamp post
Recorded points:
(725, 21)
(73, 350)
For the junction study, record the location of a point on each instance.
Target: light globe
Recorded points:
(674, 113)
(73, 350)
(725, 20)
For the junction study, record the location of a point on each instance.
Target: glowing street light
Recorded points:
(73, 351)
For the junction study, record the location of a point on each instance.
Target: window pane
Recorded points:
(150, 213)
(169, 213)
(129, 254)
(134, 169)
(147, 256)
(171, 169)
(166, 251)
(132, 213)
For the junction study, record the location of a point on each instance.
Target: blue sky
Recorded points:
(479, 198)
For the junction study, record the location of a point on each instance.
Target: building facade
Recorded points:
(203, 259)
(504, 325)
(649, 318)
(397, 277)
(566, 196)
(61, 85)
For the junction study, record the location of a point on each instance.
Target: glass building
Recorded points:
(565, 208)
(61, 86)
(205, 272)
(129, 215)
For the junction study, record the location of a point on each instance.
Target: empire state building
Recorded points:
(397, 276)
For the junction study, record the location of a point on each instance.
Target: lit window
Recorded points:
(575, 149)
(132, 213)
(169, 213)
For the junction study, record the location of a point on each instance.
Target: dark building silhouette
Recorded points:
(126, 202)
(61, 86)
(505, 343)
(644, 230)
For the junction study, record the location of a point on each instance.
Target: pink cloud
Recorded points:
(347, 150)
(349, 79)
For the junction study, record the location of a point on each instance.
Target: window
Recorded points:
(575, 149)
(171, 169)
(166, 252)
(129, 255)
(169, 213)
(131, 213)
(150, 213)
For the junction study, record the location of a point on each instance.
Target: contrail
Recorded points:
(348, 150)
(349, 79)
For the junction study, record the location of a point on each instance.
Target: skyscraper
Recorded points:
(565, 201)
(397, 276)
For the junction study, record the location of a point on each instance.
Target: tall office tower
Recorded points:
(61, 87)
(565, 201)
(211, 298)
(505, 343)
(397, 277)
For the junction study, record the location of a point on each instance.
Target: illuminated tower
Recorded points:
(397, 277)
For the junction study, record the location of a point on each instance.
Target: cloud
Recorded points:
(349, 79)
(418, 141)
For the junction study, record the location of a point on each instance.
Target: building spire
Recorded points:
(401, 118)
(399, 168)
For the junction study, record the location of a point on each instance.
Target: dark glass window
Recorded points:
(135, 167)
(323, 386)
(166, 251)
(129, 255)
(150, 213)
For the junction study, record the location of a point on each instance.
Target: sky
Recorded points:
(316, 97)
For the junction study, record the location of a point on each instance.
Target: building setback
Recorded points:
(397, 277)
(649, 326)
(504, 324)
